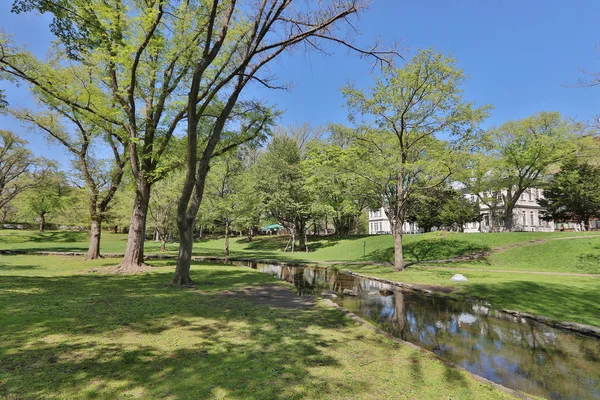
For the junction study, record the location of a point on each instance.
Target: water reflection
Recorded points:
(515, 352)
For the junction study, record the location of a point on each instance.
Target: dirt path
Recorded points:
(273, 296)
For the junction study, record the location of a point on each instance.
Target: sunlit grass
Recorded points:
(70, 334)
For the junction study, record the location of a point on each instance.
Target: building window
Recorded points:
(531, 218)
(524, 218)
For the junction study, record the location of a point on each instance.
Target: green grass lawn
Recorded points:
(564, 298)
(572, 255)
(68, 334)
(568, 255)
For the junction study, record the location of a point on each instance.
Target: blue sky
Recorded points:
(522, 56)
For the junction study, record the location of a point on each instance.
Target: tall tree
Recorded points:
(525, 150)
(342, 194)
(287, 198)
(140, 55)
(79, 132)
(572, 194)
(16, 162)
(398, 145)
(483, 177)
(248, 38)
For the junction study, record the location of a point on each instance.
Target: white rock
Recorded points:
(458, 278)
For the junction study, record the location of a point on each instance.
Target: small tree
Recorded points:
(223, 190)
(457, 211)
(163, 206)
(49, 195)
(398, 146)
(573, 194)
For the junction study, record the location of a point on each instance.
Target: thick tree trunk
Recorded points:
(43, 221)
(116, 229)
(133, 262)
(301, 236)
(398, 255)
(184, 258)
(508, 219)
(226, 250)
(95, 234)
(163, 244)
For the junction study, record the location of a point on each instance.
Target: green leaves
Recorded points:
(573, 193)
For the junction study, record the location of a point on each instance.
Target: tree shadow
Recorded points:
(58, 237)
(10, 267)
(66, 336)
(430, 250)
(589, 262)
(553, 301)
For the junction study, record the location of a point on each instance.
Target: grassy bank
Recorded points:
(565, 298)
(71, 334)
(543, 251)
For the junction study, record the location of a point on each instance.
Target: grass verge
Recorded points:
(68, 334)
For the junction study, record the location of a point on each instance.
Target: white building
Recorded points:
(380, 224)
(526, 216)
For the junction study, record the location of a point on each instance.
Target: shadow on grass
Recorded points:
(51, 236)
(429, 250)
(10, 267)
(279, 242)
(589, 262)
(102, 336)
(551, 300)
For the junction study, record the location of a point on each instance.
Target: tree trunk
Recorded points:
(398, 255)
(184, 258)
(116, 229)
(95, 233)
(508, 218)
(163, 244)
(226, 251)
(133, 261)
(43, 221)
(301, 236)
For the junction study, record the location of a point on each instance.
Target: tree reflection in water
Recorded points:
(515, 352)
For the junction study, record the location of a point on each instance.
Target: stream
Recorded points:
(515, 352)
